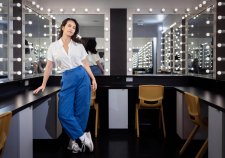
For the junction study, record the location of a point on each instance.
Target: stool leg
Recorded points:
(160, 117)
(137, 121)
(189, 139)
(203, 149)
(96, 120)
(163, 121)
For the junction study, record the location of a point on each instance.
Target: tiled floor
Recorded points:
(120, 144)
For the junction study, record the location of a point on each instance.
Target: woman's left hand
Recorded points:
(94, 85)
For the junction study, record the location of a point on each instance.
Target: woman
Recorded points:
(93, 58)
(74, 96)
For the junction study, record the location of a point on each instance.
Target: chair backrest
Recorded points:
(151, 92)
(93, 97)
(193, 105)
(4, 128)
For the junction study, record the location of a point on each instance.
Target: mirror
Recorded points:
(150, 53)
(91, 27)
(200, 41)
(37, 40)
(4, 27)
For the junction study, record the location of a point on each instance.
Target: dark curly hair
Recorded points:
(74, 37)
(91, 45)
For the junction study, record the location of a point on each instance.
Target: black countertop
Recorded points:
(25, 99)
(213, 98)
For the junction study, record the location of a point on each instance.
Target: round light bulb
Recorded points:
(1, 72)
(18, 73)
(18, 18)
(18, 4)
(219, 45)
(18, 32)
(219, 72)
(18, 59)
(219, 59)
(207, 34)
(18, 45)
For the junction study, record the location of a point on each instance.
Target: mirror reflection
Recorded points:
(3, 39)
(200, 43)
(148, 47)
(92, 37)
(37, 40)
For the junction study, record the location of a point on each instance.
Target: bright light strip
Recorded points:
(221, 31)
(220, 59)
(221, 3)
(220, 17)
(220, 72)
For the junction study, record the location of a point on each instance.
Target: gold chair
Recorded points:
(150, 97)
(194, 112)
(4, 129)
(95, 106)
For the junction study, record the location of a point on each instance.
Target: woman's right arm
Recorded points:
(47, 72)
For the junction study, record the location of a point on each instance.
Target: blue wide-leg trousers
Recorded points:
(74, 101)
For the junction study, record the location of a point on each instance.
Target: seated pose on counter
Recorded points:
(74, 97)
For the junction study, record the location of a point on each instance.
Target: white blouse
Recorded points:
(93, 58)
(64, 61)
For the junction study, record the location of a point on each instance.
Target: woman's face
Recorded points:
(69, 29)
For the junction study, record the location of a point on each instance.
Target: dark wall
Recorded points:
(118, 41)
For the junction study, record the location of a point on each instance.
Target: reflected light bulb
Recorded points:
(219, 72)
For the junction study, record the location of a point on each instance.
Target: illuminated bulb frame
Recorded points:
(100, 11)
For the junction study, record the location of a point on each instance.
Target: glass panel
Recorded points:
(150, 55)
(36, 43)
(91, 27)
(200, 44)
(4, 27)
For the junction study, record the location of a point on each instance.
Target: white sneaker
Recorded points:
(87, 142)
(74, 146)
